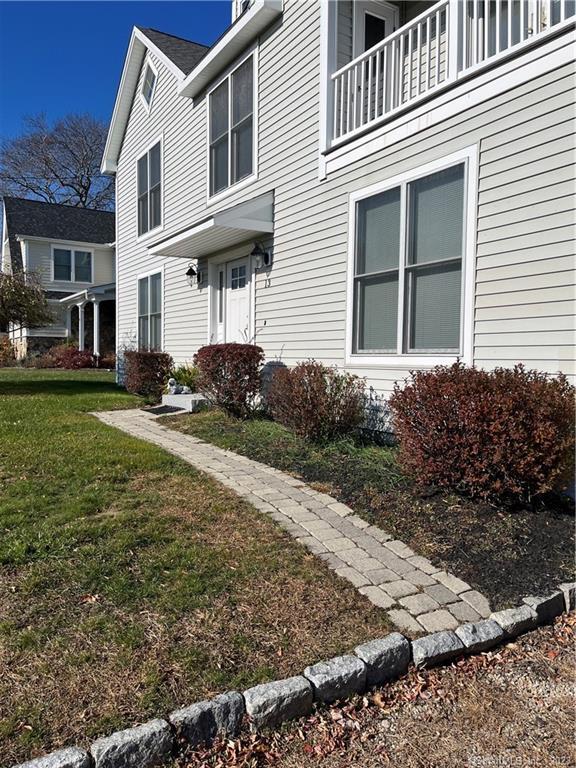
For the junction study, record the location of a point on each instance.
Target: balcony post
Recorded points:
(328, 43)
(456, 19)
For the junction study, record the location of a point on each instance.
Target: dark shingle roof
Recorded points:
(184, 53)
(33, 218)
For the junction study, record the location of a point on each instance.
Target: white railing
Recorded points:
(436, 48)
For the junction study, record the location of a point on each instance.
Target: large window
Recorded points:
(150, 190)
(150, 312)
(231, 107)
(408, 266)
(72, 266)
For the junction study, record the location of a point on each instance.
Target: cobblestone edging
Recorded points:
(269, 704)
(418, 596)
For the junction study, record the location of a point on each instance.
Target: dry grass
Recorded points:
(130, 584)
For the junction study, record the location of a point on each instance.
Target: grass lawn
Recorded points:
(505, 554)
(131, 584)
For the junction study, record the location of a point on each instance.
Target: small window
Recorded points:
(148, 85)
(424, 317)
(150, 312)
(231, 108)
(238, 278)
(72, 266)
(149, 190)
(374, 30)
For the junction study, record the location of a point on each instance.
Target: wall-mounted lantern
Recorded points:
(262, 256)
(194, 275)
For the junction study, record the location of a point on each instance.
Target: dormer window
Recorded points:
(148, 85)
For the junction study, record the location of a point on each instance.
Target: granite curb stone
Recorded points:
(480, 636)
(435, 648)
(270, 704)
(72, 757)
(200, 723)
(514, 621)
(386, 659)
(569, 591)
(546, 608)
(140, 747)
(337, 678)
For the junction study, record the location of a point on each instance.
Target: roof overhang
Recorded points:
(235, 40)
(137, 48)
(95, 292)
(62, 241)
(222, 230)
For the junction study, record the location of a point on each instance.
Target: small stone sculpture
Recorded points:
(177, 389)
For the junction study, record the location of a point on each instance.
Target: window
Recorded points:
(150, 312)
(71, 265)
(238, 278)
(374, 30)
(149, 191)
(148, 85)
(231, 107)
(408, 261)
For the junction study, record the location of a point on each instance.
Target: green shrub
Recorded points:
(506, 434)
(186, 376)
(316, 401)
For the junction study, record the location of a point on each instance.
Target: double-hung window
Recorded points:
(231, 106)
(150, 190)
(150, 312)
(72, 266)
(408, 266)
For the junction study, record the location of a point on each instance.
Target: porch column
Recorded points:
(68, 322)
(81, 325)
(96, 334)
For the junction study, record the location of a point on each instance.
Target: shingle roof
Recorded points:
(184, 53)
(33, 218)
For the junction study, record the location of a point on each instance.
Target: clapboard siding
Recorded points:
(40, 261)
(523, 307)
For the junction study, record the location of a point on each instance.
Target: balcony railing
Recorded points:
(449, 40)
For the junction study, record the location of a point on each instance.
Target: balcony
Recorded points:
(448, 41)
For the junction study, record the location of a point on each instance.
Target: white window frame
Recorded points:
(148, 275)
(160, 227)
(148, 105)
(232, 188)
(469, 156)
(73, 249)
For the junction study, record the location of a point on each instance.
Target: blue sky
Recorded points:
(62, 57)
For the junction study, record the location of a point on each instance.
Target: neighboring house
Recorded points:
(378, 185)
(71, 251)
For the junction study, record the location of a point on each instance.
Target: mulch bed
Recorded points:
(506, 554)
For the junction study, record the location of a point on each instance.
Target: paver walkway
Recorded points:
(417, 596)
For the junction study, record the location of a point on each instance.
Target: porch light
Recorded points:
(194, 276)
(262, 256)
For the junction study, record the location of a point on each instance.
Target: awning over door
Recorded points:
(250, 220)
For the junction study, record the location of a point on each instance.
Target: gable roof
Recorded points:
(33, 218)
(178, 55)
(183, 53)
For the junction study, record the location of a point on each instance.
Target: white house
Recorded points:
(71, 251)
(378, 185)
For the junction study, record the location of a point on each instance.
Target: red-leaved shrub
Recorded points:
(7, 355)
(146, 373)
(506, 434)
(229, 376)
(316, 401)
(69, 356)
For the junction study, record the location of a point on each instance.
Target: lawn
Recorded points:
(130, 583)
(505, 554)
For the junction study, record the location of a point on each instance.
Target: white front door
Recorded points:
(373, 21)
(237, 302)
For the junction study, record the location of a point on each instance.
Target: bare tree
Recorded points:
(58, 163)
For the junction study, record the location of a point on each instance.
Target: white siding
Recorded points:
(523, 307)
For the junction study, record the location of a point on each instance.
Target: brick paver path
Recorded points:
(416, 595)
